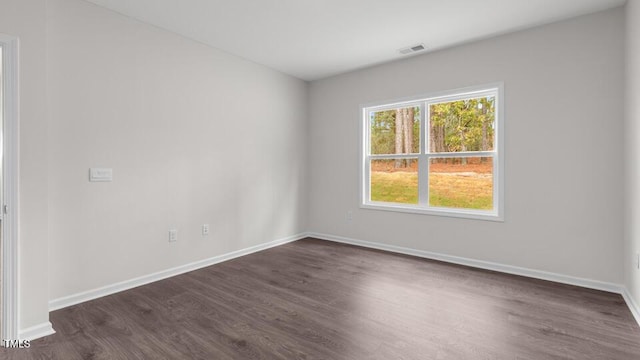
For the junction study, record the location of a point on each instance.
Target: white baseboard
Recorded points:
(74, 299)
(36, 332)
(633, 306)
(537, 274)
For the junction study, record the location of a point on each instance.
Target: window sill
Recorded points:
(457, 213)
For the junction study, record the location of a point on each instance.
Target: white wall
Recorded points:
(25, 19)
(563, 103)
(632, 142)
(194, 136)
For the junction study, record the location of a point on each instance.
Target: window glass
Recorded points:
(462, 125)
(394, 180)
(395, 131)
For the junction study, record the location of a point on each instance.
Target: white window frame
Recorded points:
(423, 157)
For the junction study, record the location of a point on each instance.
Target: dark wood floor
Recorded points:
(319, 300)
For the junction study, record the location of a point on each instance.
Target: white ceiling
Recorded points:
(312, 39)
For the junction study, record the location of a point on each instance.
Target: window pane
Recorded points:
(394, 181)
(463, 183)
(395, 131)
(463, 125)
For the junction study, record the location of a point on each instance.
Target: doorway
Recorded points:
(1, 242)
(9, 306)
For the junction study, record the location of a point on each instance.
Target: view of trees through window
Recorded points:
(462, 126)
(396, 131)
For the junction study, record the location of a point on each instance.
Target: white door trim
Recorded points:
(10, 224)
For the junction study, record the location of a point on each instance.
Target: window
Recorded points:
(438, 154)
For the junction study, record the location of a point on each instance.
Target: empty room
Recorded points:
(320, 179)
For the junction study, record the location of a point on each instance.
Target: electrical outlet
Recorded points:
(205, 229)
(349, 215)
(173, 235)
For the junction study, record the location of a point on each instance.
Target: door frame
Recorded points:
(9, 210)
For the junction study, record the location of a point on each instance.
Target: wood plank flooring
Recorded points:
(314, 299)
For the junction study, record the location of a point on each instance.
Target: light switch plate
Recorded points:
(100, 174)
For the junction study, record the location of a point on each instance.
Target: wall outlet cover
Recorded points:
(173, 235)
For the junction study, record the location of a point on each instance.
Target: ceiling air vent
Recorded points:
(412, 49)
